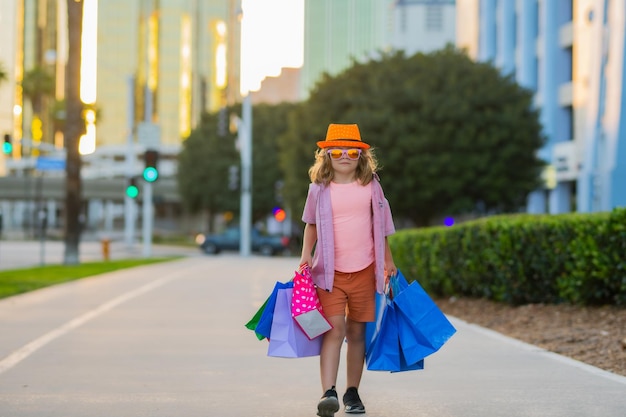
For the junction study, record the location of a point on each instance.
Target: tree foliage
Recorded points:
(38, 82)
(203, 169)
(452, 135)
(206, 158)
(269, 126)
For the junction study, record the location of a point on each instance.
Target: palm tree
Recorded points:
(37, 83)
(74, 126)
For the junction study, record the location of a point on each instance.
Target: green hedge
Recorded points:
(519, 259)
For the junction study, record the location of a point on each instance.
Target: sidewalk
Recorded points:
(26, 253)
(169, 340)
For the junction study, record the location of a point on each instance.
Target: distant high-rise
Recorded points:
(572, 55)
(423, 25)
(33, 37)
(338, 31)
(183, 56)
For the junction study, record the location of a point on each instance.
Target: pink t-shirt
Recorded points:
(352, 226)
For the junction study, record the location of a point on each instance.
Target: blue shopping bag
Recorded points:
(372, 327)
(264, 327)
(423, 328)
(383, 351)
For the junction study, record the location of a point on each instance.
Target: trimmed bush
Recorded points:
(519, 259)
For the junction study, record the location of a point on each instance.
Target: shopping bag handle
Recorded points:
(304, 267)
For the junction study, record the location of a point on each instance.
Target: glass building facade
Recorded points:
(182, 56)
(338, 31)
(571, 55)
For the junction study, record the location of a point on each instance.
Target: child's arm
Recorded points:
(308, 240)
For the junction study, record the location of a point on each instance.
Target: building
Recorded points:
(158, 61)
(150, 68)
(571, 55)
(34, 60)
(283, 88)
(423, 25)
(181, 55)
(8, 56)
(336, 32)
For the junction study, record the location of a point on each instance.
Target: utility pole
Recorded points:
(245, 141)
(130, 207)
(148, 212)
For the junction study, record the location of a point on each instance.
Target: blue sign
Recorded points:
(50, 164)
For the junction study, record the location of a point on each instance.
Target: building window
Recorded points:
(403, 20)
(434, 18)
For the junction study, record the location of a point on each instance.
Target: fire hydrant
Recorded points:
(106, 245)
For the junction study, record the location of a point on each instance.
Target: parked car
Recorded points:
(264, 244)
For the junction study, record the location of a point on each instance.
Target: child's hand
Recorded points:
(390, 270)
(305, 261)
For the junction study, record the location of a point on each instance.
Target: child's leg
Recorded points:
(355, 333)
(331, 350)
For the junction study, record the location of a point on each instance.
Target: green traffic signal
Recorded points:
(7, 146)
(132, 191)
(150, 174)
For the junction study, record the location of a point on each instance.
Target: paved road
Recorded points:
(168, 340)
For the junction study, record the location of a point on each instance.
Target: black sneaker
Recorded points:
(352, 402)
(329, 404)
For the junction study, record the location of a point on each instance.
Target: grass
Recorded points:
(18, 281)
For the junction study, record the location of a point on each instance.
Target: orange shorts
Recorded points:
(353, 295)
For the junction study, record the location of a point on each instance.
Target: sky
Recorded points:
(272, 37)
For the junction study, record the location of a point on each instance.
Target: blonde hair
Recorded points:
(322, 170)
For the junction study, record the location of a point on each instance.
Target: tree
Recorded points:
(203, 169)
(206, 158)
(297, 150)
(270, 124)
(455, 136)
(74, 127)
(37, 84)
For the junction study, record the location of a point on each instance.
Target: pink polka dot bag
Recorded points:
(306, 308)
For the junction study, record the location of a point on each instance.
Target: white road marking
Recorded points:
(30, 348)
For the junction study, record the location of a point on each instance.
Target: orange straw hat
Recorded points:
(341, 135)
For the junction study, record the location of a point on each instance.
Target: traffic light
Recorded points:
(131, 189)
(279, 214)
(7, 146)
(151, 172)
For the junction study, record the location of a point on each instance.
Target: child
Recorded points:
(347, 221)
